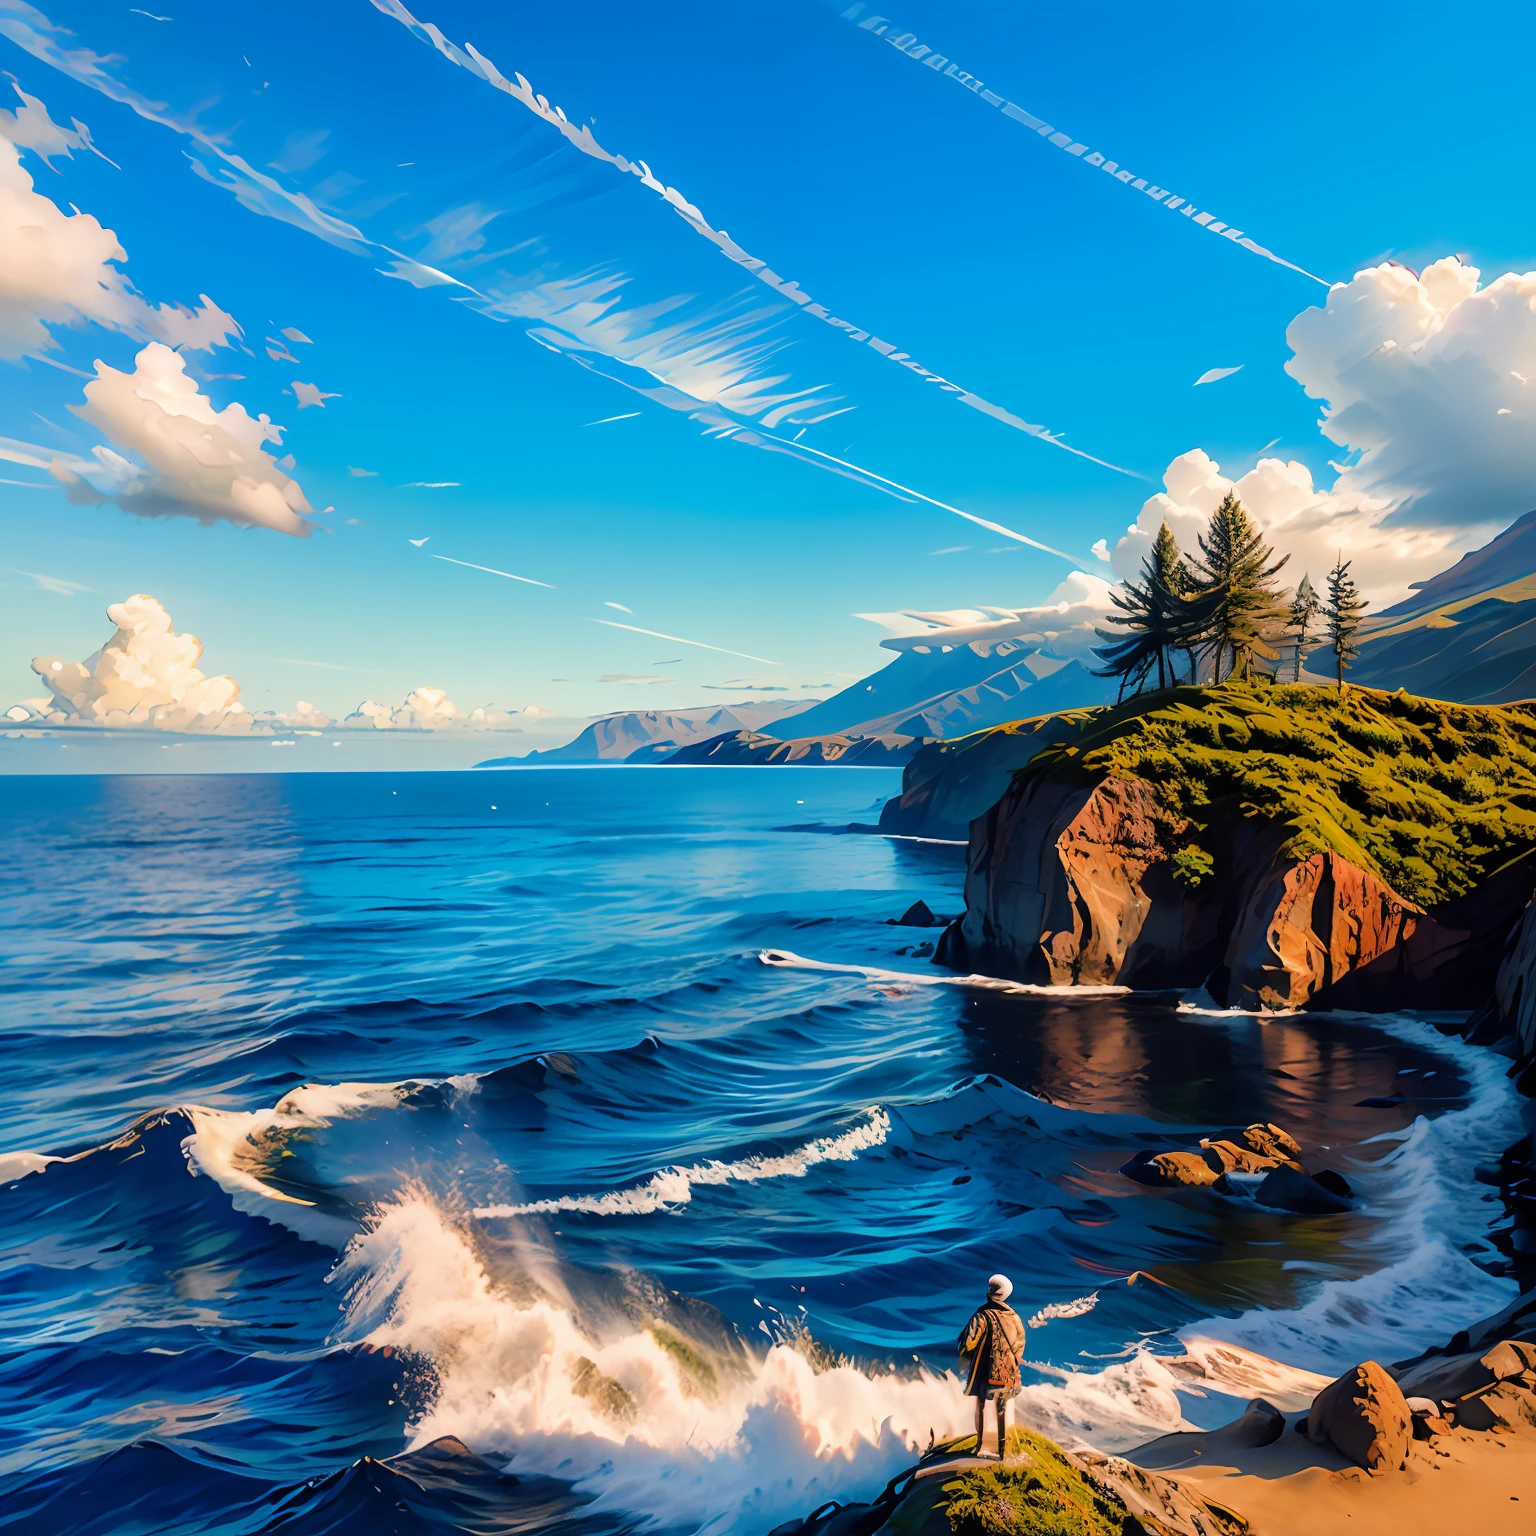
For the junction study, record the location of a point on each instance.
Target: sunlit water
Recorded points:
(594, 1118)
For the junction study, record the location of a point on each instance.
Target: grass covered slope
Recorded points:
(1430, 797)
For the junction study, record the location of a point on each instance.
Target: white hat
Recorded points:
(1000, 1286)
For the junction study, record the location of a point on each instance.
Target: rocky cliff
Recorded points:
(1285, 847)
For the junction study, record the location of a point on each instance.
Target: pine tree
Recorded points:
(1304, 608)
(1236, 578)
(1342, 616)
(1159, 618)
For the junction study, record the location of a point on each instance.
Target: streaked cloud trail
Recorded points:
(719, 426)
(603, 421)
(894, 487)
(906, 43)
(656, 634)
(580, 340)
(470, 58)
(490, 570)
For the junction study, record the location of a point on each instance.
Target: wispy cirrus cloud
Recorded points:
(581, 137)
(55, 584)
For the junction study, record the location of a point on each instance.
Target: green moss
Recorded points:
(608, 1396)
(1429, 796)
(1041, 1494)
(694, 1372)
(1192, 864)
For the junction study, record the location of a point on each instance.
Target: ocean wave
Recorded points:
(788, 960)
(17, 1165)
(673, 1187)
(238, 1149)
(644, 1422)
(1434, 1215)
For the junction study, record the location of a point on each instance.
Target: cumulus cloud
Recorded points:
(430, 709)
(197, 462)
(1062, 627)
(303, 716)
(58, 269)
(1313, 527)
(1430, 381)
(145, 677)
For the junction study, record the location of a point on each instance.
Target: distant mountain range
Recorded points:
(1468, 634)
(648, 735)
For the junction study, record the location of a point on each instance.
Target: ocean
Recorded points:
(602, 1119)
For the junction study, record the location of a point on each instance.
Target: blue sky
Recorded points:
(898, 198)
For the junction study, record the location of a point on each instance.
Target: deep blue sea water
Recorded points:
(595, 1119)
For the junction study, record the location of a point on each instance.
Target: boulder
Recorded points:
(1365, 1417)
(918, 915)
(1227, 1157)
(1288, 1189)
(1495, 1389)
(1270, 1141)
(1261, 1424)
(1334, 1183)
(1167, 1170)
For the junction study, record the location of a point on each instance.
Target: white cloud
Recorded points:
(361, 474)
(1213, 375)
(1313, 527)
(430, 709)
(198, 462)
(58, 269)
(1101, 550)
(1063, 626)
(145, 677)
(55, 584)
(304, 715)
(311, 394)
(1431, 381)
(293, 333)
(30, 127)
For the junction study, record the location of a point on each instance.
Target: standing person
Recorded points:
(991, 1350)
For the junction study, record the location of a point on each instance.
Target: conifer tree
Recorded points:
(1234, 575)
(1342, 614)
(1158, 617)
(1304, 609)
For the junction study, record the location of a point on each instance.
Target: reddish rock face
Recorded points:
(1073, 886)
(1308, 925)
(1069, 885)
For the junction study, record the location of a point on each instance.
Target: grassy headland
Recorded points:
(1430, 797)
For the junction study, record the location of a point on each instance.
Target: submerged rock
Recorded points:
(1365, 1416)
(1167, 1170)
(1269, 1140)
(1227, 1157)
(1289, 1189)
